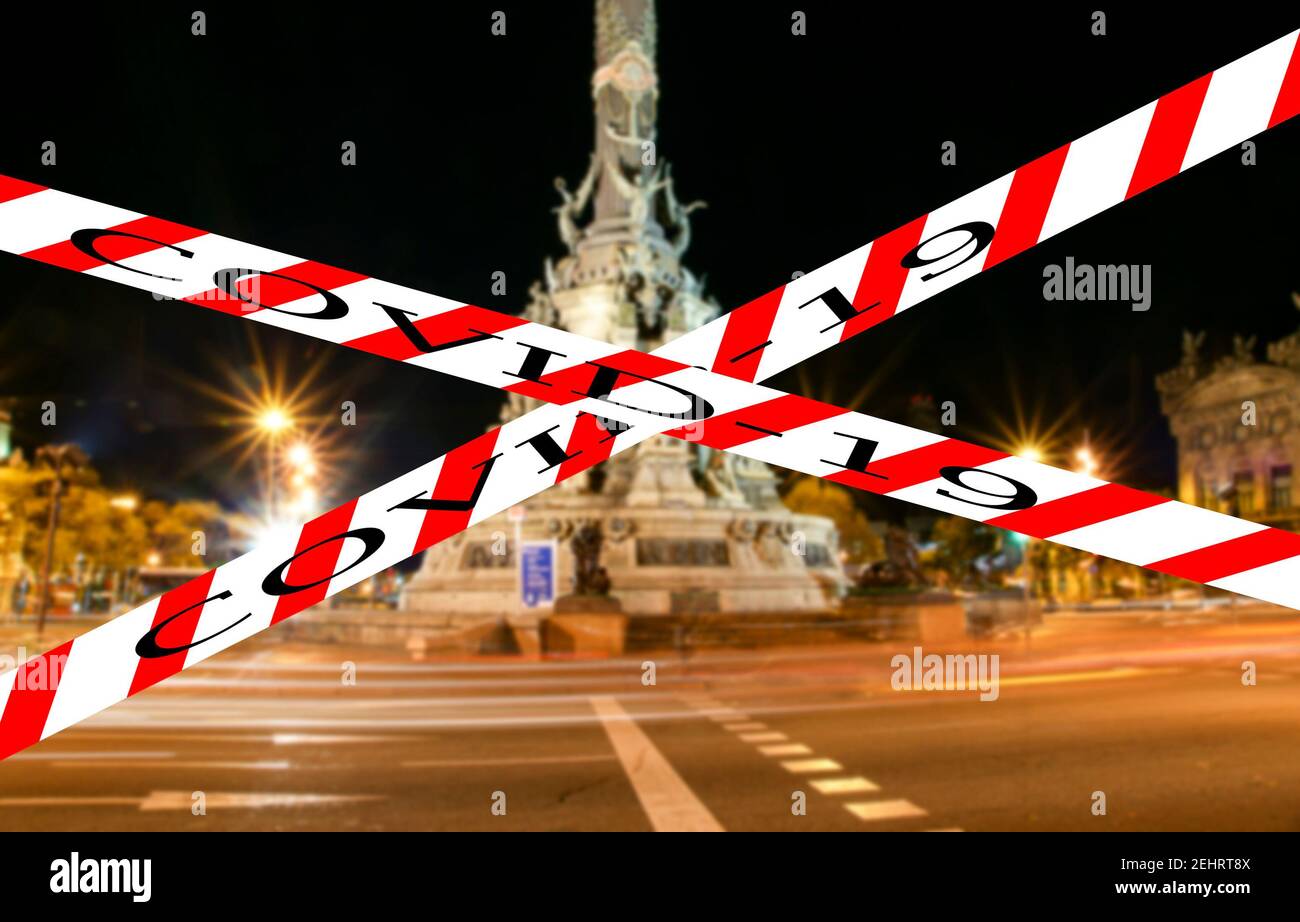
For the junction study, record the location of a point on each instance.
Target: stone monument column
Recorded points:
(685, 530)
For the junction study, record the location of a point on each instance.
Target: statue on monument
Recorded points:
(901, 566)
(589, 577)
(1192, 343)
(677, 216)
(573, 205)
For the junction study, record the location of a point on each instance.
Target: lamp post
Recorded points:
(1035, 454)
(60, 459)
(272, 422)
(303, 461)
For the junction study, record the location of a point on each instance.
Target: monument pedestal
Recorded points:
(586, 624)
(932, 617)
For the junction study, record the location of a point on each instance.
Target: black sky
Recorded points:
(804, 147)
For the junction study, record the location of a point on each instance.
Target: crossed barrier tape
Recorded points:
(709, 371)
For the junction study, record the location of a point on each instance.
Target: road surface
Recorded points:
(1151, 713)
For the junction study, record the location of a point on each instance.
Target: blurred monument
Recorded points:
(1237, 423)
(683, 529)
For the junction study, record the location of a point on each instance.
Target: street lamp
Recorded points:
(1087, 463)
(1030, 453)
(61, 460)
(126, 503)
(272, 421)
(300, 455)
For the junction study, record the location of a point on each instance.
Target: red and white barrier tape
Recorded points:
(472, 482)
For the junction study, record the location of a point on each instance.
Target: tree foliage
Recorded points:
(813, 496)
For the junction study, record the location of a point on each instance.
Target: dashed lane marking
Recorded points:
(811, 766)
(768, 736)
(853, 785)
(785, 749)
(872, 811)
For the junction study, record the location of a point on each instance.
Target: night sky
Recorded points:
(804, 148)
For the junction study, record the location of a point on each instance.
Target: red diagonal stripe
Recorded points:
(30, 700)
(1168, 135)
(176, 634)
(456, 480)
(1078, 510)
(11, 188)
(114, 248)
(1228, 557)
(748, 328)
(780, 414)
(315, 566)
(590, 442)
(440, 329)
(1032, 188)
(883, 277)
(273, 292)
(1288, 97)
(916, 466)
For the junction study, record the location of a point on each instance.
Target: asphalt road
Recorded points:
(1151, 713)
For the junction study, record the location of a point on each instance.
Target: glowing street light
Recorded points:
(1087, 462)
(127, 502)
(274, 420)
(300, 456)
(1030, 453)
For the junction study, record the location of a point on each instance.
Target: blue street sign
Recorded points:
(537, 573)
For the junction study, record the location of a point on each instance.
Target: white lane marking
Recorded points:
(56, 756)
(872, 811)
(183, 800)
(809, 766)
(278, 739)
(785, 749)
(329, 739)
(263, 766)
(725, 715)
(613, 681)
(69, 801)
(667, 800)
(854, 785)
(537, 760)
(1095, 675)
(769, 736)
(745, 726)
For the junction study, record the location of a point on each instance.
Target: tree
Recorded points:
(171, 528)
(960, 543)
(90, 528)
(814, 496)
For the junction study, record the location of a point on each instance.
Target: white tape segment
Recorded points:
(711, 366)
